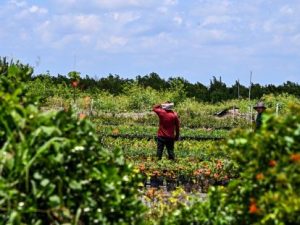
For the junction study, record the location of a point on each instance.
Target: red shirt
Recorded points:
(168, 123)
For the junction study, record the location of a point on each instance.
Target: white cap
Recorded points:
(167, 106)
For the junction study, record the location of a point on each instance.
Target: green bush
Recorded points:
(53, 169)
(267, 190)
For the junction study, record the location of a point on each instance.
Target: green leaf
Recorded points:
(37, 176)
(45, 182)
(75, 185)
(54, 200)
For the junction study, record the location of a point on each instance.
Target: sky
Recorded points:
(193, 39)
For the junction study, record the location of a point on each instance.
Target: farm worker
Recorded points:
(260, 108)
(168, 131)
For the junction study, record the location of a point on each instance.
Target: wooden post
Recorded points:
(91, 106)
(250, 86)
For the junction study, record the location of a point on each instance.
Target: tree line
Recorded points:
(216, 91)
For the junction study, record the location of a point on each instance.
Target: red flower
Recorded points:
(74, 83)
(253, 209)
(272, 163)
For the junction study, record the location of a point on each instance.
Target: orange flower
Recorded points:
(295, 157)
(155, 173)
(151, 193)
(260, 176)
(142, 167)
(87, 101)
(253, 209)
(272, 163)
(198, 172)
(116, 131)
(82, 116)
(207, 172)
(216, 175)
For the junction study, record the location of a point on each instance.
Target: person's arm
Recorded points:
(157, 108)
(177, 128)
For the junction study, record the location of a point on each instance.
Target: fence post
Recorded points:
(250, 116)
(91, 107)
(277, 109)
(233, 110)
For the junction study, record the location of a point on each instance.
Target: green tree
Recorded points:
(217, 90)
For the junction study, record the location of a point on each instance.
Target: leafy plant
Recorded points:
(269, 174)
(53, 169)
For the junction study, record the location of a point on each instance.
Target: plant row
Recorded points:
(186, 121)
(145, 149)
(152, 130)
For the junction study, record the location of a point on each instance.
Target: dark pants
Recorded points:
(169, 143)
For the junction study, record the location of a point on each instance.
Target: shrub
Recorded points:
(53, 169)
(267, 190)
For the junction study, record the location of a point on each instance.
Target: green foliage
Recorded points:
(141, 98)
(177, 91)
(267, 189)
(53, 169)
(74, 75)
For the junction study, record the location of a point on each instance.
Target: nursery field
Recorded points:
(199, 164)
(74, 156)
(201, 161)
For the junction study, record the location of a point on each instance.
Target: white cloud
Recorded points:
(38, 10)
(62, 30)
(69, 24)
(286, 10)
(17, 3)
(170, 2)
(44, 31)
(89, 23)
(163, 10)
(158, 42)
(113, 4)
(217, 35)
(216, 20)
(30, 11)
(112, 43)
(85, 39)
(296, 39)
(125, 17)
(178, 20)
(280, 27)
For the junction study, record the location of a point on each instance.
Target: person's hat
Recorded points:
(260, 105)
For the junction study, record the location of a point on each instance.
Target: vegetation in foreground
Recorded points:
(269, 179)
(54, 170)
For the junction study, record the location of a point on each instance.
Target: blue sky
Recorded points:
(194, 39)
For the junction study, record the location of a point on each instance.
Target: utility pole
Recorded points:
(238, 88)
(250, 86)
